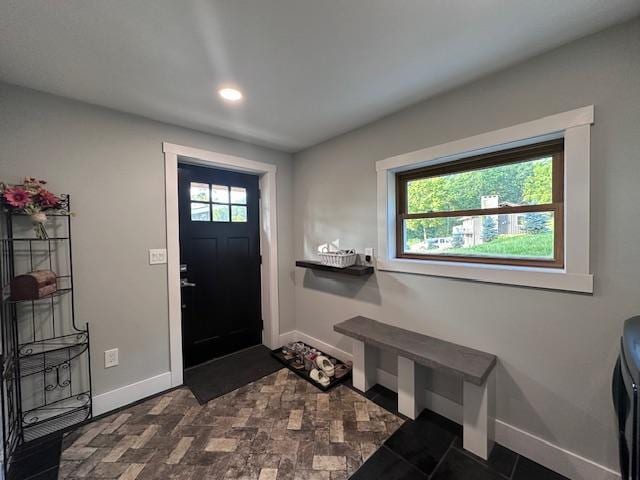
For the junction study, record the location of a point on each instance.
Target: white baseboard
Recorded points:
(105, 402)
(545, 453)
(298, 336)
(288, 337)
(552, 456)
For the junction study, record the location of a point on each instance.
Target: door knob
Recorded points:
(185, 283)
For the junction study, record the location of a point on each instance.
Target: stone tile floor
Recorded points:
(277, 427)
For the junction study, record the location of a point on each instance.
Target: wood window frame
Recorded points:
(554, 148)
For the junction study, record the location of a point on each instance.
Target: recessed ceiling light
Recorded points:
(230, 94)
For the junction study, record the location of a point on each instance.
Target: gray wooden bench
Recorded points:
(416, 352)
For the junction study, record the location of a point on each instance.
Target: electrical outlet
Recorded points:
(110, 358)
(368, 255)
(157, 256)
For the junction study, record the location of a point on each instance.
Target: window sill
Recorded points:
(546, 278)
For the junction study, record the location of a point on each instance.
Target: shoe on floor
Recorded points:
(325, 365)
(320, 377)
(341, 370)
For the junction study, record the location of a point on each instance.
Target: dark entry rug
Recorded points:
(223, 375)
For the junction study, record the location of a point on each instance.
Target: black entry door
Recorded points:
(220, 254)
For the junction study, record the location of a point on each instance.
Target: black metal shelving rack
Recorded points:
(45, 361)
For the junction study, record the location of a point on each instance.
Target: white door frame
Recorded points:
(268, 242)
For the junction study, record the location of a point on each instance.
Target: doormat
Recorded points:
(226, 374)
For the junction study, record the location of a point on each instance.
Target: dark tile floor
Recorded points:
(38, 459)
(430, 447)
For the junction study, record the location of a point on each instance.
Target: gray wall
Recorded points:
(556, 349)
(113, 166)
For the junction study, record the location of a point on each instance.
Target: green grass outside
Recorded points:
(539, 245)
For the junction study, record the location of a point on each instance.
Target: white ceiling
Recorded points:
(309, 69)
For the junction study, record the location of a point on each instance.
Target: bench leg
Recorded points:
(479, 416)
(365, 363)
(411, 386)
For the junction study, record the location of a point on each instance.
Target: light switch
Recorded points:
(157, 256)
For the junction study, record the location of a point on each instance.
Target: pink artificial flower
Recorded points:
(46, 199)
(17, 197)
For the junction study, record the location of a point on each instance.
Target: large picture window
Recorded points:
(501, 208)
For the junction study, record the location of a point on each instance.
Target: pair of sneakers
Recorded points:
(323, 372)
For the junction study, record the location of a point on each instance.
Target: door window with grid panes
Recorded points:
(218, 203)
